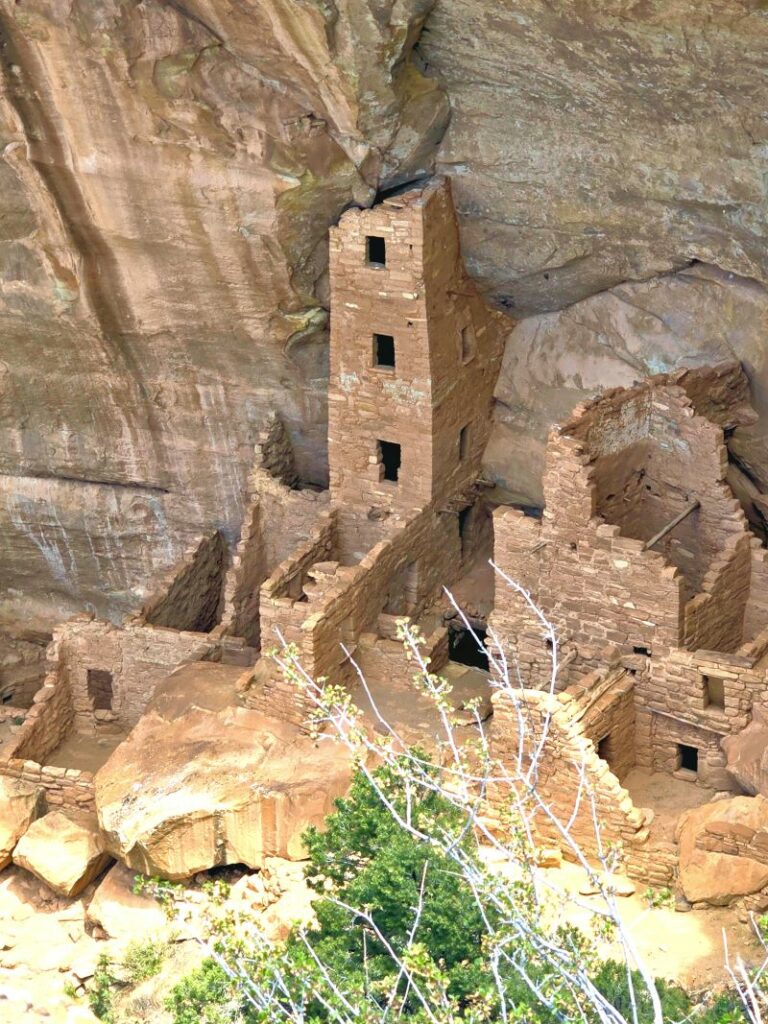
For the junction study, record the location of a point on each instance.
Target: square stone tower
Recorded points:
(414, 359)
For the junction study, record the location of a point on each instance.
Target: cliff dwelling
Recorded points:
(641, 560)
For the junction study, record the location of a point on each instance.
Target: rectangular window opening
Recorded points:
(384, 351)
(467, 344)
(376, 251)
(645, 651)
(389, 458)
(463, 443)
(714, 692)
(100, 689)
(689, 757)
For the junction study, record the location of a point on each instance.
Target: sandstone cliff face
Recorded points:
(168, 172)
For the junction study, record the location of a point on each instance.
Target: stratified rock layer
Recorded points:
(201, 782)
(168, 173)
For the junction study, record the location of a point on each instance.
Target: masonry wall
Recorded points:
(599, 590)
(349, 603)
(673, 707)
(714, 618)
(608, 716)
(138, 657)
(47, 722)
(278, 516)
(575, 783)
(423, 300)
(756, 611)
(191, 597)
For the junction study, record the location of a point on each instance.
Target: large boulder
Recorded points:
(20, 805)
(724, 850)
(120, 912)
(64, 850)
(747, 753)
(202, 782)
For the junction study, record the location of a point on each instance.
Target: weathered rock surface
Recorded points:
(167, 176)
(20, 805)
(66, 851)
(120, 912)
(553, 361)
(747, 753)
(201, 782)
(707, 873)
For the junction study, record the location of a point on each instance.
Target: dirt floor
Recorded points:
(667, 796)
(86, 753)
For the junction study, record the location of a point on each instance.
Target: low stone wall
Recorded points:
(190, 598)
(47, 722)
(64, 787)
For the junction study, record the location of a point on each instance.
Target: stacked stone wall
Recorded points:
(608, 717)
(138, 658)
(756, 612)
(278, 517)
(47, 722)
(64, 787)
(447, 345)
(576, 785)
(714, 618)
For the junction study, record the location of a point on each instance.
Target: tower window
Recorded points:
(389, 457)
(463, 443)
(376, 250)
(714, 692)
(467, 344)
(384, 351)
(688, 757)
(100, 689)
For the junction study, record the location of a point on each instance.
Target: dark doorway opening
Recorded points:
(605, 749)
(376, 250)
(389, 457)
(384, 351)
(465, 649)
(100, 689)
(689, 757)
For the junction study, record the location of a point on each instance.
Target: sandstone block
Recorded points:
(20, 805)
(64, 850)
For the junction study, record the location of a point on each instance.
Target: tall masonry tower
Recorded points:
(414, 360)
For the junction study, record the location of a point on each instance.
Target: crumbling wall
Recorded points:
(137, 658)
(570, 778)
(278, 517)
(349, 603)
(756, 612)
(714, 619)
(47, 722)
(605, 702)
(599, 590)
(191, 596)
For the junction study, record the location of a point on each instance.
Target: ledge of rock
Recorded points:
(724, 850)
(66, 851)
(20, 805)
(201, 782)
